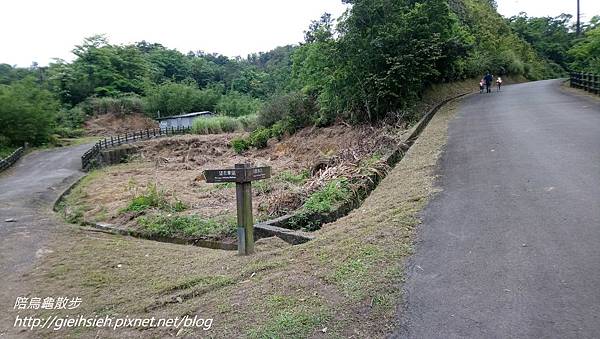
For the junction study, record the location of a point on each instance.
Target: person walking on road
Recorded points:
(488, 82)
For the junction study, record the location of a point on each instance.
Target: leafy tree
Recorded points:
(252, 82)
(173, 98)
(203, 71)
(26, 112)
(586, 52)
(551, 37)
(388, 50)
(277, 64)
(168, 65)
(320, 30)
(100, 69)
(237, 104)
(313, 69)
(10, 74)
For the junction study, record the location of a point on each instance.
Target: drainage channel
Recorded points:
(288, 227)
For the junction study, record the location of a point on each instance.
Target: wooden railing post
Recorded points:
(114, 141)
(587, 82)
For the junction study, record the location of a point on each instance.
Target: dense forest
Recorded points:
(374, 62)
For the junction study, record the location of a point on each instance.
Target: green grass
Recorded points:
(5, 151)
(72, 208)
(291, 324)
(328, 197)
(353, 274)
(216, 125)
(262, 187)
(153, 198)
(325, 200)
(188, 225)
(224, 185)
(296, 179)
(224, 124)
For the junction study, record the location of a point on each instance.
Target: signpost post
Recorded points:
(242, 175)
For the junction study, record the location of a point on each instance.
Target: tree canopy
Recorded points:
(374, 61)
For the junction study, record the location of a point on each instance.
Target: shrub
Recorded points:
(66, 132)
(296, 109)
(328, 197)
(260, 137)
(236, 104)
(283, 127)
(71, 118)
(127, 104)
(26, 113)
(5, 151)
(240, 145)
(177, 98)
(249, 122)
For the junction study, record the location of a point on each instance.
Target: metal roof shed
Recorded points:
(183, 120)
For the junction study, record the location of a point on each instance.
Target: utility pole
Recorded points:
(578, 19)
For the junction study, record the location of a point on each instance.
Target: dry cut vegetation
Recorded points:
(113, 124)
(161, 190)
(346, 283)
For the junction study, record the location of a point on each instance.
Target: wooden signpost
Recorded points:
(242, 175)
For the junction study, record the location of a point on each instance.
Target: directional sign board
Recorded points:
(242, 175)
(237, 174)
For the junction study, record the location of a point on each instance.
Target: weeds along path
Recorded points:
(27, 191)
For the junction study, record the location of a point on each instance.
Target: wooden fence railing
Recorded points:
(88, 158)
(11, 159)
(586, 81)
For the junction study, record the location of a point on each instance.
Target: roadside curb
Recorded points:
(276, 227)
(66, 191)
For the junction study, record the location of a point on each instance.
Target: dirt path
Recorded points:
(509, 249)
(27, 192)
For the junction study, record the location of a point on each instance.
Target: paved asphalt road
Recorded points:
(511, 247)
(27, 191)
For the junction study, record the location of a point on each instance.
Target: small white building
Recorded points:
(183, 120)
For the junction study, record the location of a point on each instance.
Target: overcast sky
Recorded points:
(39, 30)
